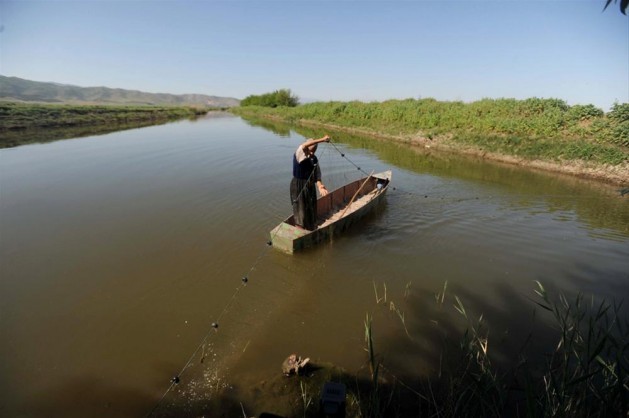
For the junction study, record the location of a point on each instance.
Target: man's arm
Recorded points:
(311, 142)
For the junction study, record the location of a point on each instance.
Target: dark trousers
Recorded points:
(303, 195)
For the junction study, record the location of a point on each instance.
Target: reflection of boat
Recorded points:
(336, 211)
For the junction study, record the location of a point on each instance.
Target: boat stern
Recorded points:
(288, 238)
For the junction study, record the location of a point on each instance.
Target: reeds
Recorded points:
(378, 399)
(306, 398)
(373, 364)
(586, 374)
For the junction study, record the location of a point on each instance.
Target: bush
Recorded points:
(584, 112)
(619, 113)
(278, 98)
(620, 134)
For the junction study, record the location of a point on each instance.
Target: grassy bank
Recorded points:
(546, 133)
(17, 116)
(23, 123)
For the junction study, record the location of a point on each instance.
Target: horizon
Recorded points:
(325, 50)
(301, 100)
(113, 88)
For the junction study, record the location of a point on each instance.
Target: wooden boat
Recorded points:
(336, 212)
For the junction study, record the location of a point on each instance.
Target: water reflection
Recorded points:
(280, 129)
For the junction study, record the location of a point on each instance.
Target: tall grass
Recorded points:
(531, 128)
(588, 372)
(379, 399)
(585, 374)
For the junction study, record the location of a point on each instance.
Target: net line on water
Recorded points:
(214, 326)
(245, 279)
(497, 196)
(412, 203)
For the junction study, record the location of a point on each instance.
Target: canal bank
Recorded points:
(534, 133)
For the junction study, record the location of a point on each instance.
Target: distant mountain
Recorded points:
(18, 89)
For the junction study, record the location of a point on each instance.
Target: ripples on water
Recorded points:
(118, 251)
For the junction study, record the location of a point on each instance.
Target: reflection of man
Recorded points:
(306, 174)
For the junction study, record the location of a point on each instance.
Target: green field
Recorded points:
(546, 129)
(24, 123)
(14, 116)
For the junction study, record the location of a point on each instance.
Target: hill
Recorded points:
(21, 90)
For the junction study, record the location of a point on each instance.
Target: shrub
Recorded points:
(584, 112)
(278, 98)
(619, 112)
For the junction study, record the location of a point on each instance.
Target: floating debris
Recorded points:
(294, 364)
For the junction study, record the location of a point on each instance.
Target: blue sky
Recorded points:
(325, 50)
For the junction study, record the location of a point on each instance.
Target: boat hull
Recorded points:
(338, 211)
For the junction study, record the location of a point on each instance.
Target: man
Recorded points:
(306, 180)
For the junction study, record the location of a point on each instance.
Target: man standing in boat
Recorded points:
(306, 175)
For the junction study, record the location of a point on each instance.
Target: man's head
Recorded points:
(312, 149)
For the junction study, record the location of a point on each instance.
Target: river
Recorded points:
(119, 251)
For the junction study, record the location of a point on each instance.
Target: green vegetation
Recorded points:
(546, 129)
(23, 123)
(278, 98)
(25, 116)
(583, 373)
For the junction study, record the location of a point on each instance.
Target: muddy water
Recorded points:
(118, 251)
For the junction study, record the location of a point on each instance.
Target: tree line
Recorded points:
(282, 97)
